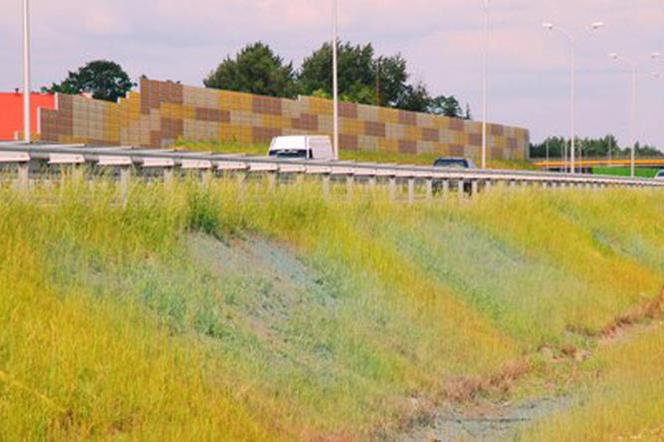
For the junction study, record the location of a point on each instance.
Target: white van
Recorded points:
(307, 147)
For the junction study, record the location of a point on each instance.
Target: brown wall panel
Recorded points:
(348, 142)
(407, 146)
(407, 118)
(374, 129)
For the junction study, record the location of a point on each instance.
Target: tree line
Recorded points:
(590, 148)
(363, 76)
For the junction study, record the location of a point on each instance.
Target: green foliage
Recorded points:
(255, 69)
(449, 107)
(105, 80)
(363, 78)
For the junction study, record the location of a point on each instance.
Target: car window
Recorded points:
(289, 153)
(458, 164)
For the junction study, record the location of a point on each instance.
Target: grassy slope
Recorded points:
(119, 321)
(348, 155)
(624, 391)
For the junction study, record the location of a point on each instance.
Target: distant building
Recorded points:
(11, 112)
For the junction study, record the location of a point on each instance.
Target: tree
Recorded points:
(414, 98)
(365, 78)
(105, 80)
(448, 107)
(356, 72)
(256, 69)
(391, 80)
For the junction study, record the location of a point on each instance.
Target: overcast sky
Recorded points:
(529, 68)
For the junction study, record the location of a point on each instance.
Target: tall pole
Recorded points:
(632, 123)
(572, 123)
(26, 71)
(335, 79)
(632, 115)
(572, 40)
(485, 59)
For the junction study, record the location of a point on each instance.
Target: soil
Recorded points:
(494, 422)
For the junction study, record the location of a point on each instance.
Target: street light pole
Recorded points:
(632, 119)
(335, 79)
(26, 71)
(572, 42)
(485, 62)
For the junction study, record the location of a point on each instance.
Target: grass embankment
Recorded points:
(361, 156)
(202, 310)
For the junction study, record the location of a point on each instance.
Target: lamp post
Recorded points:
(26, 71)
(633, 105)
(485, 62)
(335, 79)
(572, 41)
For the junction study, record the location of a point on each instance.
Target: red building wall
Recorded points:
(11, 112)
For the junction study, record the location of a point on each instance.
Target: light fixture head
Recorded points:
(548, 25)
(655, 54)
(598, 25)
(613, 55)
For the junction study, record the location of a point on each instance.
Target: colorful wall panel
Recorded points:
(163, 112)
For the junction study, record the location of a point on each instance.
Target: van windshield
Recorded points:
(289, 153)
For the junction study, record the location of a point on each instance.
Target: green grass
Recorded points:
(348, 155)
(203, 311)
(625, 171)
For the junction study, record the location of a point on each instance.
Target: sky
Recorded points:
(529, 80)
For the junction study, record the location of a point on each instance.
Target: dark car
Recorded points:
(660, 175)
(453, 163)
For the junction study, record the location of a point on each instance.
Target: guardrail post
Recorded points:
(168, 175)
(23, 177)
(429, 188)
(271, 181)
(411, 190)
(241, 179)
(125, 178)
(350, 182)
(461, 188)
(393, 188)
(372, 183)
(326, 185)
(299, 178)
(475, 186)
(445, 189)
(77, 172)
(206, 177)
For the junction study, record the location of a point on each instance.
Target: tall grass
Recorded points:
(205, 310)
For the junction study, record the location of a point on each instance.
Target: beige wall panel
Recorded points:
(367, 143)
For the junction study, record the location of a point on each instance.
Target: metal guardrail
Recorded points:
(129, 158)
